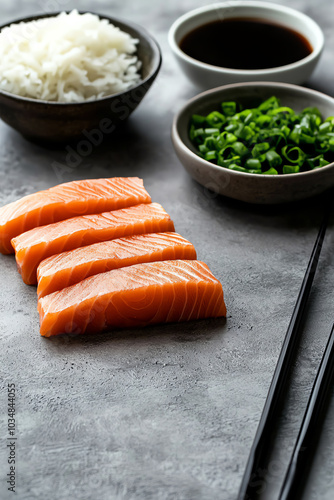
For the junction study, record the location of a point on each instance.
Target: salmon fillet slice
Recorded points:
(68, 268)
(139, 295)
(37, 244)
(68, 200)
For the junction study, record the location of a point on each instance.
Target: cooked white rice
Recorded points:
(68, 58)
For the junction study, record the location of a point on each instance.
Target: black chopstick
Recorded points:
(253, 475)
(301, 456)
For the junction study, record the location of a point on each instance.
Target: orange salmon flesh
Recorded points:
(67, 200)
(68, 268)
(139, 295)
(37, 244)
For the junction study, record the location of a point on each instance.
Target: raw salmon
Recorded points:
(37, 244)
(68, 200)
(148, 293)
(68, 268)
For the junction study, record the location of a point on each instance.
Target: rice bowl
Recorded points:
(70, 57)
(54, 122)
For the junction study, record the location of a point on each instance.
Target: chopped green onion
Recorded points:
(322, 163)
(282, 109)
(285, 131)
(271, 171)
(244, 132)
(263, 120)
(198, 119)
(253, 164)
(215, 119)
(290, 169)
(259, 149)
(231, 127)
(254, 171)
(249, 118)
(317, 162)
(203, 148)
(210, 155)
(270, 103)
(224, 139)
(192, 132)
(210, 142)
(273, 159)
(229, 108)
(211, 131)
(294, 154)
(198, 132)
(267, 140)
(240, 149)
(226, 163)
(233, 166)
(311, 111)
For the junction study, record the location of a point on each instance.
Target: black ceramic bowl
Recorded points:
(55, 122)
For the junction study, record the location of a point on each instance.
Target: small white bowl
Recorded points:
(252, 188)
(207, 76)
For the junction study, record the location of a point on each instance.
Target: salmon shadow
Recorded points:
(167, 333)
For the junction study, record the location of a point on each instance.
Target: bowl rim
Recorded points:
(264, 178)
(288, 11)
(157, 58)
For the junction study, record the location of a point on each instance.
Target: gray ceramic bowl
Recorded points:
(53, 122)
(242, 186)
(206, 76)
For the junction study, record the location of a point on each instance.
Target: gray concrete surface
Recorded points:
(168, 412)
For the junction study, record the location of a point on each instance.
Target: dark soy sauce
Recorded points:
(245, 43)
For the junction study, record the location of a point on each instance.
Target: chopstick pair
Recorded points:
(311, 421)
(253, 472)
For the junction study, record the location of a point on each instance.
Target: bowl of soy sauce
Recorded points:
(246, 41)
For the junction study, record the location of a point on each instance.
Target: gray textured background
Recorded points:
(167, 412)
